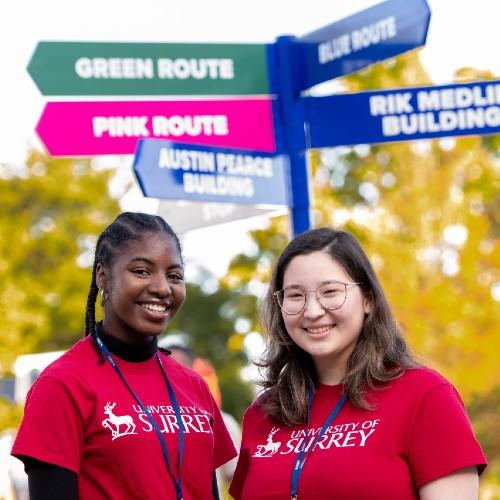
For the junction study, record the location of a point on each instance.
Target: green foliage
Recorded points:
(52, 212)
(10, 415)
(484, 410)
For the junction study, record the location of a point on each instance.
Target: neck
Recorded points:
(125, 350)
(329, 373)
(125, 335)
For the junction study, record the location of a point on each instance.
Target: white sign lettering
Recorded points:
(114, 67)
(437, 110)
(372, 34)
(196, 68)
(233, 172)
(144, 68)
(160, 126)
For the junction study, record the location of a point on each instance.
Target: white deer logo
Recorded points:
(113, 422)
(271, 447)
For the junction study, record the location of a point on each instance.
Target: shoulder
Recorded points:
(424, 379)
(178, 369)
(73, 369)
(76, 358)
(255, 414)
(182, 376)
(414, 387)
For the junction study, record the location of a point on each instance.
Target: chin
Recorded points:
(323, 355)
(156, 332)
(151, 330)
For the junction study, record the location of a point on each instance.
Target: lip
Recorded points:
(319, 331)
(157, 309)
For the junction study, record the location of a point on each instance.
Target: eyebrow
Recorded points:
(151, 263)
(326, 282)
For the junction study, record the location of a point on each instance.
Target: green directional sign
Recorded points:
(126, 69)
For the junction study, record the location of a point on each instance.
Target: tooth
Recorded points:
(155, 307)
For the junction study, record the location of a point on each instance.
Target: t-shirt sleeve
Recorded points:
(51, 429)
(224, 448)
(442, 440)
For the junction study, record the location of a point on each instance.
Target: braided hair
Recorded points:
(128, 226)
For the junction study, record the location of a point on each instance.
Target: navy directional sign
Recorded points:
(404, 114)
(380, 32)
(171, 170)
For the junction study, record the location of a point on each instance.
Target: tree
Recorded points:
(208, 320)
(427, 213)
(52, 212)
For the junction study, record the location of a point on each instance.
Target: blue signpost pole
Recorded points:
(291, 111)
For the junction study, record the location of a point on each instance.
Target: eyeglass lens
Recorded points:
(329, 295)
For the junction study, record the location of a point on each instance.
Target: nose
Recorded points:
(313, 308)
(159, 285)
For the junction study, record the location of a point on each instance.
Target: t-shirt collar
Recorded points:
(126, 351)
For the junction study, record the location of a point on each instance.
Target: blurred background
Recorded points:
(427, 212)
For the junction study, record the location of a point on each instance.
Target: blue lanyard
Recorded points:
(301, 459)
(175, 404)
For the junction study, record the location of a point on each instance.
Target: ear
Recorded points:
(101, 277)
(367, 303)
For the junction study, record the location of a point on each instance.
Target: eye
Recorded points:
(293, 294)
(331, 289)
(175, 277)
(140, 271)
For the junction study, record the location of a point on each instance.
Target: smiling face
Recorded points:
(329, 336)
(145, 288)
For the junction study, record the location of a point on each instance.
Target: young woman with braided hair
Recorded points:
(115, 417)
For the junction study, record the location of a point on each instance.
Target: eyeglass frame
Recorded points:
(316, 296)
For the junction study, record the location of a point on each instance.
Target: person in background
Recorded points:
(347, 412)
(114, 417)
(204, 368)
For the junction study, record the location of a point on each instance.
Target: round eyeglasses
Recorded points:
(330, 295)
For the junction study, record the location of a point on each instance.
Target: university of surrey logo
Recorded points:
(119, 425)
(270, 448)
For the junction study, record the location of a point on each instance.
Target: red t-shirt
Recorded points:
(80, 415)
(418, 432)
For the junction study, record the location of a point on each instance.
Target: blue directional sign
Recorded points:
(404, 114)
(171, 170)
(380, 32)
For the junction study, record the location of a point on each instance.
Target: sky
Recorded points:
(461, 34)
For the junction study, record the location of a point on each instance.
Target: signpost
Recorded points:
(114, 127)
(126, 69)
(404, 114)
(169, 170)
(185, 215)
(380, 32)
(259, 113)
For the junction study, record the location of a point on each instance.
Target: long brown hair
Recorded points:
(381, 353)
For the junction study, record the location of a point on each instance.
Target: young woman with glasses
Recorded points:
(347, 412)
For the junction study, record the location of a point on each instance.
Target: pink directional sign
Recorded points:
(114, 127)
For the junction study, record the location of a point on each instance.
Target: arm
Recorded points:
(50, 482)
(460, 485)
(215, 487)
